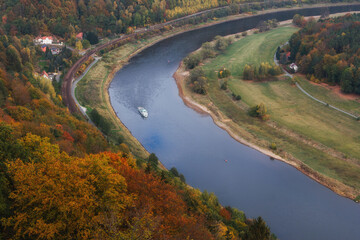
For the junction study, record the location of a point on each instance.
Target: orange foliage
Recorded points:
(225, 214)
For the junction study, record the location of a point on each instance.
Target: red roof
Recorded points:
(288, 54)
(80, 35)
(43, 49)
(45, 74)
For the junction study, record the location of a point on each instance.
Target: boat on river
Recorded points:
(143, 112)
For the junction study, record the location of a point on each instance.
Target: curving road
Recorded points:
(66, 90)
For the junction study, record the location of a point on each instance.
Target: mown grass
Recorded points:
(91, 93)
(289, 108)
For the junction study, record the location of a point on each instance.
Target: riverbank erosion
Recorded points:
(321, 162)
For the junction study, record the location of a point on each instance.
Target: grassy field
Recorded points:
(91, 93)
(324, 139)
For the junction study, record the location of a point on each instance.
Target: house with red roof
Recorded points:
(80, 36)
(44, 40)
(45, 75)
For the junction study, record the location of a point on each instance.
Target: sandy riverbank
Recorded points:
(234, 131)
(336, 186)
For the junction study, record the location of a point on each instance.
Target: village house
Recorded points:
(55, 51)
(294, 67)
(44, 40)
(80, 36)
(45, 75)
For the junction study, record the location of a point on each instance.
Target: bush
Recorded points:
(236, 97)
(198, 80)
(273, 146)
(192, 60)
(222, 43)
(259, 111)
(244, 34)
(224, 73)
(224, 85)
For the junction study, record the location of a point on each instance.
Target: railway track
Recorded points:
(70, 75)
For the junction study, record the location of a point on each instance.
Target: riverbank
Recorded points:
(256, 138)
(93, 89)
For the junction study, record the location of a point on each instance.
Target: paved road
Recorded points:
(66, 90)
(308, 94)
(81, 108)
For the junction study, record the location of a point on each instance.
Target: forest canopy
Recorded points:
(329, 51)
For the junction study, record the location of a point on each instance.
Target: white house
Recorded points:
(44, 40)
(294, 67)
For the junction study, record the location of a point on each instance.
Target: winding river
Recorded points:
(294, 206)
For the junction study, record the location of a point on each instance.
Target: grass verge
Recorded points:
(319, 141)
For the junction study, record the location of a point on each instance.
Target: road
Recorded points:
(308, 94)
(66, 90)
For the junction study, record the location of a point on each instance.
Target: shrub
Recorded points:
(236, 97)
(259, 111)
(244, 34)
(273, 146)
(224, 85)
(198, 80)
(224, 73)
(192, 60)
(222, 43)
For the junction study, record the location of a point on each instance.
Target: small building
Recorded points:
(294, 67)
(288, 54)
(43, 48)
(80, 36)
(44, 40)
(45, 75)
(55, 51)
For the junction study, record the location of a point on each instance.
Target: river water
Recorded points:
(294, 206)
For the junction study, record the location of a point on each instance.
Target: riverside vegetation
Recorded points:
(296, 127)
(60, 178)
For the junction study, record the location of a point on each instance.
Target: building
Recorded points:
(44, 40)
(80, 36)
(55, 51)
(43, 48)
(45, 75)
(294, 67)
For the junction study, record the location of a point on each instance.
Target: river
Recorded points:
(294, 206)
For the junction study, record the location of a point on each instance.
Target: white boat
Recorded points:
(143, 112)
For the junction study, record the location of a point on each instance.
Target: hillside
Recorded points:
(65, 17)
(59, 176)
(328, 51)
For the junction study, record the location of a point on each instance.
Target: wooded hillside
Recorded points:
(59, 176)
(329, 51)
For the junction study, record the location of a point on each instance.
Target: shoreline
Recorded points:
(224, 123)
(332, 184)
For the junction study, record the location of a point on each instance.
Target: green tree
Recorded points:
(13, 58)
(92, 37)
(258, 230)
(78, 45)
(346, 80)
(86, 44)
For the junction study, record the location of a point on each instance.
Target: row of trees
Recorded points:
(261, 72)
(208, 50)
(328, 51)
(64, 18)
